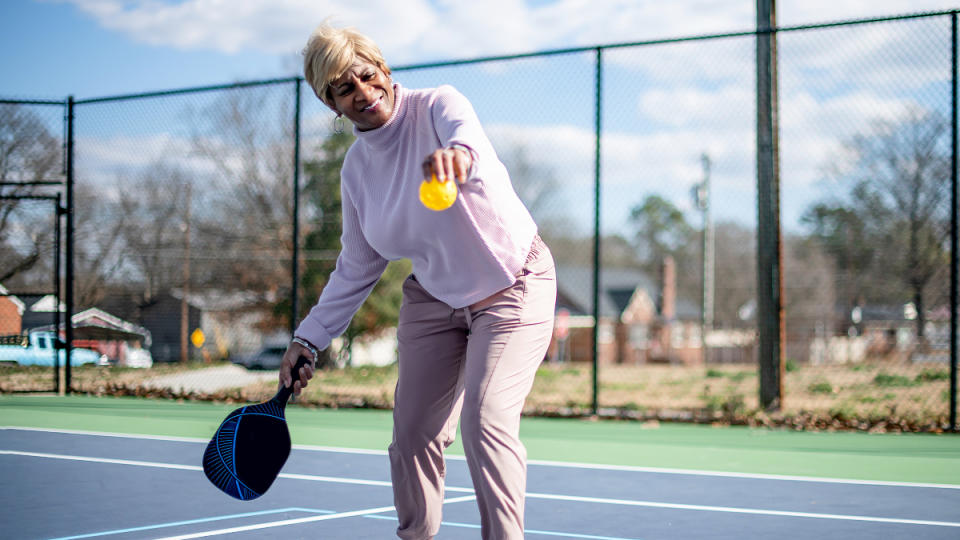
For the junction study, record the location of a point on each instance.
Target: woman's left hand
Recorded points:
(450, 163)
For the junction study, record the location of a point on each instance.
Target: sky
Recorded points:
(92, 48)
(664, 106)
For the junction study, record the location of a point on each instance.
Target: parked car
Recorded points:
(38, 348)
(138, 358)
(266, 358)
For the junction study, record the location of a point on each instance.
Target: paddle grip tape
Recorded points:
(285, 392)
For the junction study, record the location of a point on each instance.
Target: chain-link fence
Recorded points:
(638, 162)
(31, 173)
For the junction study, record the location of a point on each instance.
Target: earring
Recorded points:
(338, 124)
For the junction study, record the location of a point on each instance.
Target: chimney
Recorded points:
(668, 301)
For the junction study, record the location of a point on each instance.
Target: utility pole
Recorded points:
(184, 306)
(701, 198)
(770, 320)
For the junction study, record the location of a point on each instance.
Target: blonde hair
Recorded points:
(329, 54)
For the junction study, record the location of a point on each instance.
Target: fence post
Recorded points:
(57, 320)
(954, 267)
(598, 81)
(69, 278)
(295, 267)
(769, 249)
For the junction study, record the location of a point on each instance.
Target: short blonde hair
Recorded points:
(329, 54)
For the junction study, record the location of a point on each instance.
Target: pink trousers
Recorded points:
(475, 365)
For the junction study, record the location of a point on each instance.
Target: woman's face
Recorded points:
(364, 94)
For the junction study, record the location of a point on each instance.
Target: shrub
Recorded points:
(931, 375)
(888, 380)
(820, 387)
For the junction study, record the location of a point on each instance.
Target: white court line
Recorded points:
(546, 496)
(191, 522)
(526, 531)
(734, 510)
(298, 521)
(176, 466)
(545, 463)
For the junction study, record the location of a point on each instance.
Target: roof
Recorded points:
(21, 307)
(95, 323)
(617, 285)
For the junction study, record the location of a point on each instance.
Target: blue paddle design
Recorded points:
(251, 445)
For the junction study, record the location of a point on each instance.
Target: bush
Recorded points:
(820, 387)
(931, 375)
(888, 380)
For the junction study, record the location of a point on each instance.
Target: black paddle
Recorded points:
(250, 447)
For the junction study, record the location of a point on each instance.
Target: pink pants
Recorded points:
(475, 364)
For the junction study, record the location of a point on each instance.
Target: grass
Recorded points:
(871, 392)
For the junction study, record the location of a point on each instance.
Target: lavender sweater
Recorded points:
(460, 255)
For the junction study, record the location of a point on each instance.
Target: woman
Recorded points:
(477, 311)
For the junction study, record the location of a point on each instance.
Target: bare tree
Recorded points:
(736, 275)
(98, 235)
(28, 152)
(891, 224)
(153, 212)
(242, 211)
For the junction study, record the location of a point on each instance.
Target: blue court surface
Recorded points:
(61, 484)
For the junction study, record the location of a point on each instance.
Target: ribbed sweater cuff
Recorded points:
(313, 332)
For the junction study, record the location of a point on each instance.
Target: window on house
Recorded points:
(638, 335)
(605, 333)
(677, 335)
(693, 335)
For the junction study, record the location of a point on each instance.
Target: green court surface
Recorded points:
(922, 458)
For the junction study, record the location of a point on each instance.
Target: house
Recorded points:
(11, 312)
(123, 342)
(640, 321)
(877, 332)
(237, 323)
(233, 323)
(160, 316)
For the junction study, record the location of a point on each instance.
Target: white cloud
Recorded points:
(689, 98)
(418, 30)
(801, 12)
(274, 26)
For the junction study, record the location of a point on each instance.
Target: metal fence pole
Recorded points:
(57, 319)
(598, 81)
(295, 269)
(954, 267)
(769, 249)
(68, 316)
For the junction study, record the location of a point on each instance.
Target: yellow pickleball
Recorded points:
(437, 195)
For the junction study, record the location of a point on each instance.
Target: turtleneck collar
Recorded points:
(386, 133)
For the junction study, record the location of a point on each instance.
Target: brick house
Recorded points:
(640, 321)
(11, 312)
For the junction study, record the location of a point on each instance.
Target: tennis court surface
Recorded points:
(71, 483)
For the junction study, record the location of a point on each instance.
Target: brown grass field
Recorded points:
(913, 397)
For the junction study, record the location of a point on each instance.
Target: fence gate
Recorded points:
(31, 312)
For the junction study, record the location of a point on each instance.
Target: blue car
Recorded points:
(38, 348)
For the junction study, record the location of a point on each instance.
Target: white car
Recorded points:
(138, 358)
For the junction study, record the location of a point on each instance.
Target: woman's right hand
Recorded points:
(290, 357)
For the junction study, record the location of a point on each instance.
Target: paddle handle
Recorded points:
(284, 394)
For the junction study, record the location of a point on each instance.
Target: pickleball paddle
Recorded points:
(251, 445)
